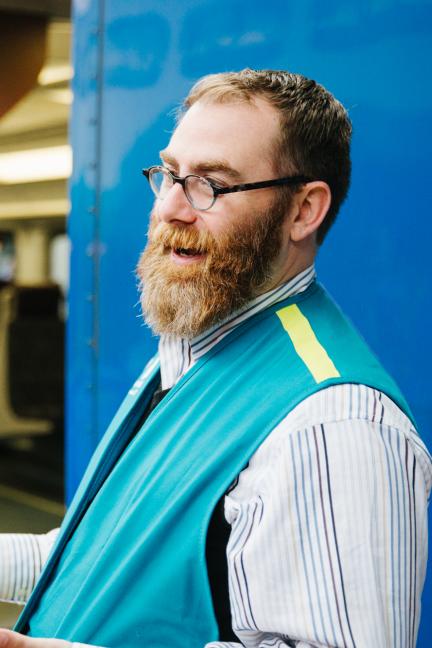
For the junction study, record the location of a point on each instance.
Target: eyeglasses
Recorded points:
(202, 193)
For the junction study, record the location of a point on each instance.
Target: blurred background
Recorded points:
(35, 165)
(101, 78)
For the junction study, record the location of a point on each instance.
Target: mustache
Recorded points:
(166, 237)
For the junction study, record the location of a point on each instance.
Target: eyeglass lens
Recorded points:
(198, 191)
(160, 182)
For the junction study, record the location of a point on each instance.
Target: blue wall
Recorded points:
(134, 61)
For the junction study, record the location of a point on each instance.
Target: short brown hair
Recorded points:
(315, 127)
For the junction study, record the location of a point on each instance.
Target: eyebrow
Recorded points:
(206, 166)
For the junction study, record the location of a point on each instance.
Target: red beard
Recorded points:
(185, 300)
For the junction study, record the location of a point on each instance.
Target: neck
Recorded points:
(297, 260)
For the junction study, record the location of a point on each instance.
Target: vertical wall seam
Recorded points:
(97, 213)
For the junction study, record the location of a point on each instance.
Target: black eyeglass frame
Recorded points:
(217, 191)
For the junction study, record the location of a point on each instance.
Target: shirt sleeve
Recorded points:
(22, 557)
(329, 536)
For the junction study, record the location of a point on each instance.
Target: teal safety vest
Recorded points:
(129, 568)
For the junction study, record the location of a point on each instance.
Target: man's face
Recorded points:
(199, 266)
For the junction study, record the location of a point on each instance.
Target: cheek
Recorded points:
(153, 220)
(228, 213)
(154, 214)
(216, 228)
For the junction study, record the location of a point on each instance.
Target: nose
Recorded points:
(175, 207)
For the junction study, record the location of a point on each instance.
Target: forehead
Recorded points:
(240, 134)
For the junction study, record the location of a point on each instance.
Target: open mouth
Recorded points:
(187, 252)
(185, 255)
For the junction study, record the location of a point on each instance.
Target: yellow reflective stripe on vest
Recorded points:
(306, 343)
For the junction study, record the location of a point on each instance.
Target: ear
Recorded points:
(311, 205)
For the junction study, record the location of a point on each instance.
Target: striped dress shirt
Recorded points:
(328, 542)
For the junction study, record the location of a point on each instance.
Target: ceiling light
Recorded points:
(36, 165)
(51, 74)
(59, 95)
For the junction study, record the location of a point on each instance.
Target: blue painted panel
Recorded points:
(373, 54)
(81, 396)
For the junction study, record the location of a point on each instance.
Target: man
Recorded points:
(266, 402)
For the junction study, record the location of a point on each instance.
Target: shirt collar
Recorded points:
(177, 355)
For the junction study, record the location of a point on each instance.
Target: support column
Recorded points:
(32, 257)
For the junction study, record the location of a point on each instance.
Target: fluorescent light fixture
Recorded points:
(51, 74)
(36, 165)
(59, 95)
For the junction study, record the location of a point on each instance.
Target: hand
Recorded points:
(10, 639)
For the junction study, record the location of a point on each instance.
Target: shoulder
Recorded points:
(341, 419)
(344, 402)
